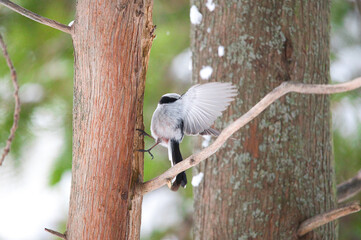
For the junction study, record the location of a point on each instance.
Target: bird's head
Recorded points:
(169, 98)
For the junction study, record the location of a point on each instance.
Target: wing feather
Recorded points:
(204, 103)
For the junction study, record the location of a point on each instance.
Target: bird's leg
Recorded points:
(144, 133)
(148, 150)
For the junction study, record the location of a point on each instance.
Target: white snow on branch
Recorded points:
(220, 51)
(210, 5)
(197, 179)
(206, 72)
(195, 15)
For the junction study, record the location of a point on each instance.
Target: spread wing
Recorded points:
(202, 104)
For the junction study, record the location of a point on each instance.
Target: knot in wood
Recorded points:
(124, 195)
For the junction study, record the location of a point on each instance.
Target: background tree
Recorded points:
(281, 170)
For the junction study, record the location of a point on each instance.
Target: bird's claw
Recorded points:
(146, 150)
(143, 133)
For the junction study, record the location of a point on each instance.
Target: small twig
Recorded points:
(322, 219)
(350, 188)
(17, 101)
(58, 234)
(271, 97)
(36, 17)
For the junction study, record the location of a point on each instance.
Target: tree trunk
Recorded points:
(111, 41)
(279, 171)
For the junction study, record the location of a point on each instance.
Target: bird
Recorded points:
(192, 113)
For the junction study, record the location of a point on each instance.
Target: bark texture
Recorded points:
(279, 171)
(111, 41)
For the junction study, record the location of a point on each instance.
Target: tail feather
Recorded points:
(181, 178)
(210, 131)
(213, 132)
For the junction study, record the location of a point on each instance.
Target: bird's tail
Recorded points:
(181, 179)
(210, 131)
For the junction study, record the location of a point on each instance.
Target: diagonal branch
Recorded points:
(271, 97)
(324, 218)
(17, 101)
(36, 17)
(349, 188)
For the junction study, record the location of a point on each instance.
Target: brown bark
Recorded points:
(111, 41)
(280, 171)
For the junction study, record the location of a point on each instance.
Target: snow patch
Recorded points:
(31, 93)
(347, 65)
(206, 72)
(206, 141)
(43, 204)
(346, 116)
(181, 66)
(210, 5)
(197, 179)
(221, 51)
(195, 15)
(160, 211)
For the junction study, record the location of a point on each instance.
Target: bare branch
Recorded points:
(58, 234)
(271, 97)
(322, 219)
(17, 101)
(350, 188)
(36, 17)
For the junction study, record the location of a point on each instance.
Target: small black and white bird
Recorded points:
(192, 113)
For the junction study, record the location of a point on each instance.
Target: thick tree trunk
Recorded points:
(280, 171)
(111, 41)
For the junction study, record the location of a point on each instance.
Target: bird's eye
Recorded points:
(167, 99)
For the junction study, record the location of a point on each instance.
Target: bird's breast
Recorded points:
(166, 125)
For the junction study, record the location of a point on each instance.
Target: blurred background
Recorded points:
(35, 177)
